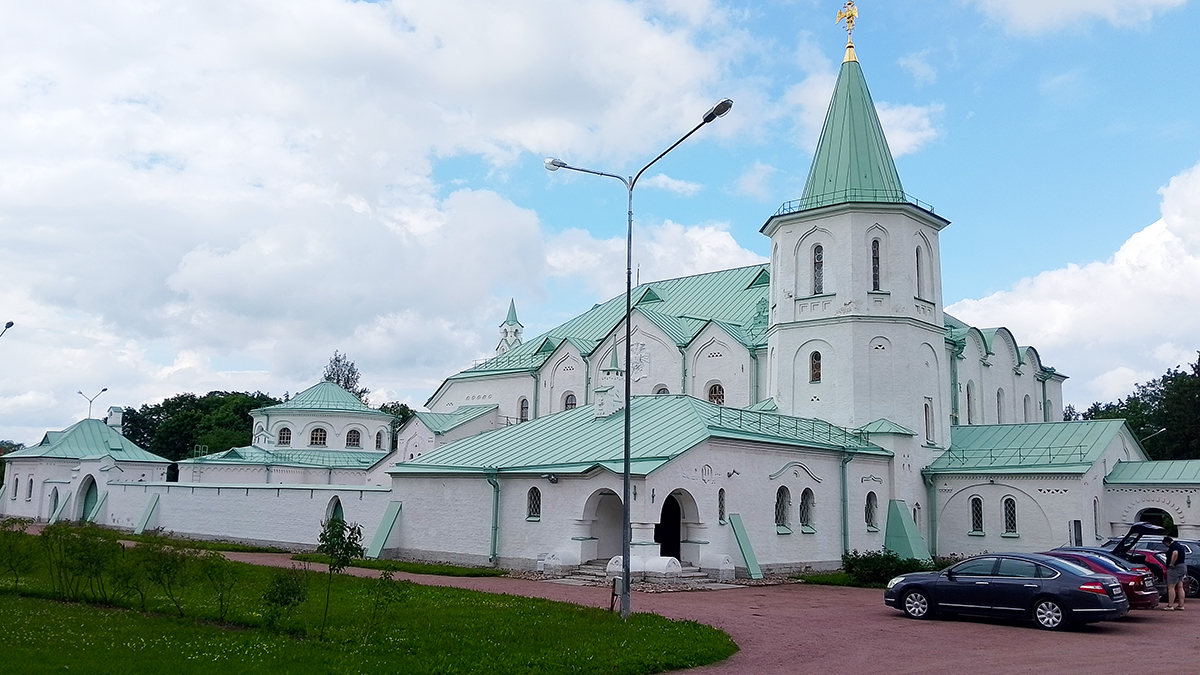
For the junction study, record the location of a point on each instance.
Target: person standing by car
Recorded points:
(1176, 570)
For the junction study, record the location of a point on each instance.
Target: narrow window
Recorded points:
(1028, 409)
(721, 505)
(872, 507)
(874, 264)
(1096, 515)
(917, 516)
(999, 406)
(378, 440)
(818, 269)
(976, 514)
(716, 394)
(814, 367)
(970, 403)
(570, 402)
(920, 276)
(1010, 515)
(29, 492)
(524, 410)
(928, 422)
(353, 439)
(783, 503)
(285, 436)
(16, 487)
(807, 502)
(317, 437)
(534, 504)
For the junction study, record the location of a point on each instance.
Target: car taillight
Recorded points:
(1094, 587)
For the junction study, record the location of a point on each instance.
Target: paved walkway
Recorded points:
(848, 631)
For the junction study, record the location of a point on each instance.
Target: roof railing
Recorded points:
(1059, 454)
(792, 427)
(849, 195)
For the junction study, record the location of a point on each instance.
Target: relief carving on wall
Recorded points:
(641, 360)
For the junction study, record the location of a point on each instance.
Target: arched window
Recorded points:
(814, 367)
(1096, 515)
(318, 437)
(378, 440)
(977, 514)
(662, 390)
(721, 505)
(818, 270)
(716, 394)
(970, 402)
(920, 276)
(871, 509)
(16, 487)
(874, 264)
(917, 516)
(533, 504)
(570, 402)
(285, 436)
(353, 439)
(1000, 406)
(928, 422)
(524, 410)
(1028, 409)
(1010, 515)
(807, 504)
(29, 491)
(783, 504)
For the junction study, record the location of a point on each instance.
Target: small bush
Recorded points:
(285, 592)
(877, 567)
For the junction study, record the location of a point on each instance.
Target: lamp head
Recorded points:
(8, 325)
(719, 110)
(553, 164)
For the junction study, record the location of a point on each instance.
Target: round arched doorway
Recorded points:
(90, 497)
(669, 528)
(1156, 516)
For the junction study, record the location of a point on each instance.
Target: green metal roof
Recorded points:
(1160, 472)
(664, 427)
(886, 426)
(440, 423)
(511, 319)
(324, 459)
(87, 439)
(683, 306)
(324, 397)
(852, 162)
(1048, 447)
(765, 405)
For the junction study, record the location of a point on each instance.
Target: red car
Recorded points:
(1138, 582)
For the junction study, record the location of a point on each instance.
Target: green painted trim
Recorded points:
(384, 531)
(902, 534)
(147, 514)
(91, 517)
(872, 528)
(62, 505)
(491, 479)
(584, 538)
(743, 542)
(808, 529)
(782, 529)
(1010, 535)
(976, 533)
(533, 519)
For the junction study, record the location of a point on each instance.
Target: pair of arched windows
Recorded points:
(1009, 513)
(783, 505)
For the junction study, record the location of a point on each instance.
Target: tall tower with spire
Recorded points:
(855, 330)
(510, 330)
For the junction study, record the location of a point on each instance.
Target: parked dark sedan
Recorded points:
(1052, 592)
(1138, 585)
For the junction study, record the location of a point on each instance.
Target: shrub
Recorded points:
(168, 566)
(877, 567)
(222, 576)
(16, 555)
(285, 592)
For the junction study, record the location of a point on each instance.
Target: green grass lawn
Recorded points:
(409, 567)
(374, 626)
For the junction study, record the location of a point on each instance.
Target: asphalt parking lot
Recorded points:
(800, 628)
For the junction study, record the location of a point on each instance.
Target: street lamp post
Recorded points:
(89, 400)
(554, 164)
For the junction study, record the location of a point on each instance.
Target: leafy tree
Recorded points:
(219, 420)
(1164, 412)
(284, 593)
(8, 446)
(222, 576)
(342, 372)
(169, 567)
(16, 552)
(400, 413)
(342, 543)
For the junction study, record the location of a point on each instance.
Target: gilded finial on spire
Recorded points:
(850, 13)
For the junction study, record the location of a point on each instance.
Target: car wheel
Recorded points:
(1191, 586)
(916, 605)
(1049, 614)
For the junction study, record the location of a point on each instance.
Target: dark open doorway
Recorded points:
(667, 531)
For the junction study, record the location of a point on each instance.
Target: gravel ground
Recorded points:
(794, 628)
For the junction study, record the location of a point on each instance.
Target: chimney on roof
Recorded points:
(113, 419)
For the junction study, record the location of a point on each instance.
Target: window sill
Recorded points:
(808, 529)
(879, 292)
(533, 519)
(872, 528)
(722, 521)
(976, 533)
(1010, 535)
(782, 529)
(815, 296)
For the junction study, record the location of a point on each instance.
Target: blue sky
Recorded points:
(218, 195)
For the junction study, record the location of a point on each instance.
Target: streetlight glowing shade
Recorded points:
(718, 110)
(553, 164)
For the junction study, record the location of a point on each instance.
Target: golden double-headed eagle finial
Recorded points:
(850, 13)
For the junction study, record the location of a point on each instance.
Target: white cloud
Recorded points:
(1039, 16)
(754, 182)
(1114, 323)
(908, 128)
(659, 251)
(918, 65)
(680, 187)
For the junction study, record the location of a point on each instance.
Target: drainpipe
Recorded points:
(1042, 376)
(587, 380)
(847, 455)
(537, 390)
(754, 394)
(956, 353)
(491, 478)
(931, 499)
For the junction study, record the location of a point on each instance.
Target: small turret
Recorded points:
(113, 420)
(610, 392)
(510, 330)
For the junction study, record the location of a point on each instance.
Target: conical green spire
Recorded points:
(512, 314)
(852, 162)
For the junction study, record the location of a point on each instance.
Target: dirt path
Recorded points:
(848, 631)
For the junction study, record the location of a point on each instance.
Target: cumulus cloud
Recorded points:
(661, 251)
(754, 182)
(918, 65)
(908, 128)
(1038, 16)
(664, 182)
(1111, 324)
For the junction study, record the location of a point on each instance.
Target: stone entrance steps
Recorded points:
(594, 572)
